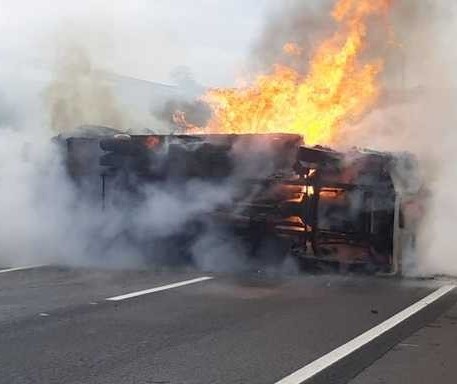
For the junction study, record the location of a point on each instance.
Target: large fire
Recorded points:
(337, 89)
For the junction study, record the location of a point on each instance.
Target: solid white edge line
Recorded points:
(21, 268)
(313, 368)
(158, 289)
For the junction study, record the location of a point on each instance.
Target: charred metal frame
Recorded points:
(313, 172)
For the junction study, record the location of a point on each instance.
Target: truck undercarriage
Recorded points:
(321, 205)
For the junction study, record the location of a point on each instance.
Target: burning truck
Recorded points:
(358, 207)
(314, 204)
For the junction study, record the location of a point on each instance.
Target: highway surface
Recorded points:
(90, 325)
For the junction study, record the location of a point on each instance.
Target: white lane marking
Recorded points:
(21, 268)
(313, 368)
(158, 289)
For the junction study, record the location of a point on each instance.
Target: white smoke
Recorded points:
(55, 75)
(420, 116)
(416, 112)
(44, 219)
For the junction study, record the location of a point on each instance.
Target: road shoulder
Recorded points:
(427, 356)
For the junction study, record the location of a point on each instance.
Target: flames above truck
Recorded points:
(316, 96)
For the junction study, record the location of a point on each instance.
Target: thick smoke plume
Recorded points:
(81, 94)
(423, 121)
(46, 217)
(46, 220)
(58, 77)
(416, 109)
(52, 220)
(304, 23)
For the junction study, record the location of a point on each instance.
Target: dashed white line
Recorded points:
(21, 268)
(312, 369)
(158, 289)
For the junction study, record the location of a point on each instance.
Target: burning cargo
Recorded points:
(319, 204)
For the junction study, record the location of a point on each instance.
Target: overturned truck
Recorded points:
(320, 205)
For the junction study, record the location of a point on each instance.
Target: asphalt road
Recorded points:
(57, 326)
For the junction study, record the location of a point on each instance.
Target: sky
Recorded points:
(140, 38)
(147, 39)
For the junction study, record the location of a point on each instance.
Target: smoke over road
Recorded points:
(423, 121)
(54, 77)
(45, 220)
(416, 110)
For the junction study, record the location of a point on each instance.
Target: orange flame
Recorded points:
(152, 142)
(338, 88)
